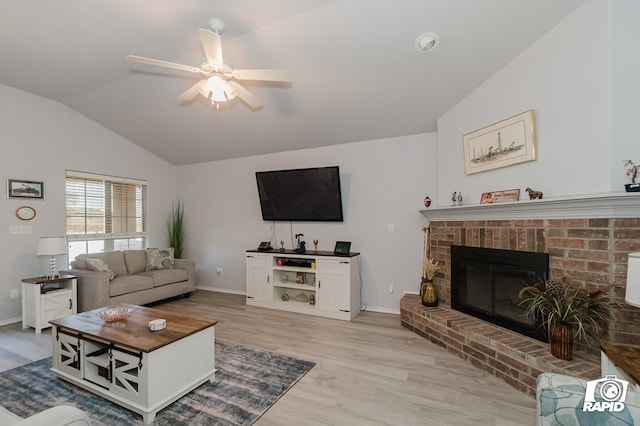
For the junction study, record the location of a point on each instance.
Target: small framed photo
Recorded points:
(25, 189)
(503, 196)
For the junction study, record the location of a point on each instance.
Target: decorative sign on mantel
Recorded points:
(500, 196)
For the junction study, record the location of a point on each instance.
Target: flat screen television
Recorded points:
(310, 195)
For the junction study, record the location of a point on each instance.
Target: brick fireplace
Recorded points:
(586, 238)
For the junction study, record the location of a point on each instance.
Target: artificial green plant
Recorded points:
(175, 228)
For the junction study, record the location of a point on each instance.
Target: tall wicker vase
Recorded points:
(428, 293)
(561, 340)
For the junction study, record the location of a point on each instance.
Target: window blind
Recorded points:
(105, 207)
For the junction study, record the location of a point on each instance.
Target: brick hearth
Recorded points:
(515, 358)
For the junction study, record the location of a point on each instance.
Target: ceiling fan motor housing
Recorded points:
(216, 25)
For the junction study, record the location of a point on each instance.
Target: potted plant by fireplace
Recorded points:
(568, 310)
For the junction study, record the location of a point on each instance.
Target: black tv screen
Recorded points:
(310, 195)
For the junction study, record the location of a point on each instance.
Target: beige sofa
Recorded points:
(124, 278)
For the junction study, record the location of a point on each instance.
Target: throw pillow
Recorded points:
(99, 265)
(159, 259)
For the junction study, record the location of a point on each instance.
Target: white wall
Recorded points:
(383, 181)
(40, 140)
(625, 89)
(566, 78)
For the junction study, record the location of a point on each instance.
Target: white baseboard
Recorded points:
(381, 310)
(222, 290)
(368, 308)
(10, 321)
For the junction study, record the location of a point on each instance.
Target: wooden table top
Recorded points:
(48, 280)
(133, 332)
(627, 358)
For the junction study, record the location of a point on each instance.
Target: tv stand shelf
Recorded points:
(296, 286)
(316, 283)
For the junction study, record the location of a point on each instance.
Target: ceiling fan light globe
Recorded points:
(216, 86)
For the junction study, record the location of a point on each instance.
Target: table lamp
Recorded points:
(632, 293)
(52, 246)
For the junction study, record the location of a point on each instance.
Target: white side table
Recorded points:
(48, 298)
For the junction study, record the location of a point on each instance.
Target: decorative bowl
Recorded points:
(115, 313)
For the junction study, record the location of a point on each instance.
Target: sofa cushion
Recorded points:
(99, 265)
(136, 261)
(129, 284)
(162, 277)
(159, 259)
(115, 260)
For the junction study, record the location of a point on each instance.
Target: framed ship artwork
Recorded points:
(508, 142)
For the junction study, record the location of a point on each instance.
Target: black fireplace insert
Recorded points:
(485, 283)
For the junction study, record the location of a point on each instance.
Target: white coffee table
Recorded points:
(126, 363)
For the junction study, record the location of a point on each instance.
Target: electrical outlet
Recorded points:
(15, 293)
(392, 227)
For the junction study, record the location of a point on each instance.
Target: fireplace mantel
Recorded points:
(591, 206)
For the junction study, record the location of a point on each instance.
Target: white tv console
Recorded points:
(315, 283)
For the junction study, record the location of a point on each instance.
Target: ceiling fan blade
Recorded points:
(246, 96)
(164, 64)
(212, 45)
(263, 75)
(197, 89)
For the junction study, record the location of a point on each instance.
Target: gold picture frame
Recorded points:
(505, 143)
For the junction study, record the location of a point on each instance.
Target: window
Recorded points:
(105, 213)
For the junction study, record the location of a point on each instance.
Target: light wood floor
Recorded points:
(370, 371)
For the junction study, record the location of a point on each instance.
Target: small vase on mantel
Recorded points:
(561, 341)
(428, 293)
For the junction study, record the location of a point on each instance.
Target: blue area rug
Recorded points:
(248, 381)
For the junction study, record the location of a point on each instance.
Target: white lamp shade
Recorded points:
(51, 246)
(632, 294)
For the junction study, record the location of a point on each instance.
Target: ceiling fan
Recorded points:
(220, 82)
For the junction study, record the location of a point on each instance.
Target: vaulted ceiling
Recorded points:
(356, 72)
